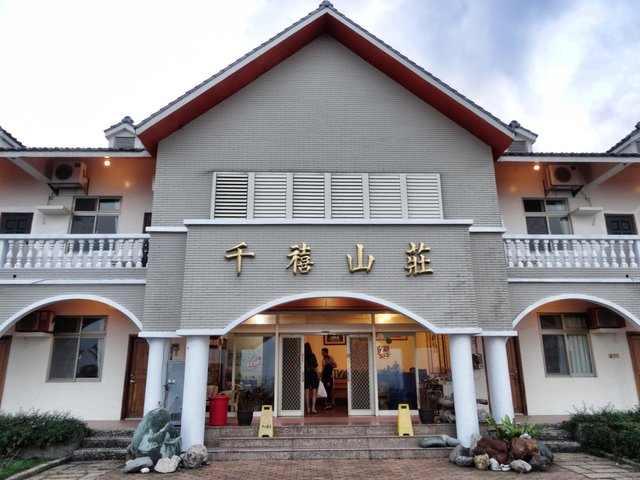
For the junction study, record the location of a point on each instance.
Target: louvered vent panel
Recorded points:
(231, 195)
(308, 195)
(124, 142)
(270, 195)
(385, 197)
(518, 146)
(423, 196)
(346, 196)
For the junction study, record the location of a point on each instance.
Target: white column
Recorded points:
(464, 389)
(195, 391)
(154, 393)
(498, 377)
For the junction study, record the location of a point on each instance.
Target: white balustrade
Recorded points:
(72, 251)
(571, 251)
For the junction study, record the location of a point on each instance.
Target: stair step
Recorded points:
(319, 443)
(99, 454)
(106, 442)
(223, 454)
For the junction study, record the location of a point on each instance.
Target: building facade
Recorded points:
(323, 189)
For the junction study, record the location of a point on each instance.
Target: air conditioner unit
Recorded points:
(68, 174)
(38, 321)
(603, 318)
(563, 177)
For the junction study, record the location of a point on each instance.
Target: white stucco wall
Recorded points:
(129, 178)
(618, 195)
(26, 383)
(613, 383)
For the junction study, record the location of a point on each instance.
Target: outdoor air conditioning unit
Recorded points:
(603, 318)
(38, 321)
(69, 174)
(563, 177)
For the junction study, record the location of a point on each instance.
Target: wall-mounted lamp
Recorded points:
(107, 161)
(536, 166)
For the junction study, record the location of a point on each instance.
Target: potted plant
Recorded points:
(430, 394)
(249, 400)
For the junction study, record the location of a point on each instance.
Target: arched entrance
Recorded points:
(381, 356)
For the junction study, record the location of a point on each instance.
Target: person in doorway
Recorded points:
(311, 378)
(328, 364)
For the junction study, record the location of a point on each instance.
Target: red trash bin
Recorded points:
(218, 406)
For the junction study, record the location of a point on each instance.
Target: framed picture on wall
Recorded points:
(333, 339)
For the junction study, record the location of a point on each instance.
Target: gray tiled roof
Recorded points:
(570, 154)
(633, 132)
(11, 137)
(72, 149)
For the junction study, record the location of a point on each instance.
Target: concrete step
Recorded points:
(319, 443)
(563, 446)
(123, 432)
(106, 442)
(222, 454)
(85, 454)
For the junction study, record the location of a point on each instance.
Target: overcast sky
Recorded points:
(568, 70)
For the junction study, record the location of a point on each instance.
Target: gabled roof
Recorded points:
(325, 20)
(10, 138)
(634, 132)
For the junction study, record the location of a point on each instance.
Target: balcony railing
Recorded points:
(571, 251)
(73, 251)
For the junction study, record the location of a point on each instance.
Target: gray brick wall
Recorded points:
(214, 296)
(323, 109)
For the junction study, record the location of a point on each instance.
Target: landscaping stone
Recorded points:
(155, 437)
(137, 464)
(458, 451)
(523, 448)
(546, 451)
(494, 448)
(463, 461)
(481, 462)
(433, 442)
(167, 465)
(520, 466)
(540, 463)
(451, 442)
(195, 456)
(494, 465)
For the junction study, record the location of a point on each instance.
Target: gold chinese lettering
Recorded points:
(360, 264)
(416, 261)
(300, 259)
(237, 253)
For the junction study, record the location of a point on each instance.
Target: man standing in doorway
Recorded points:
(328, 364)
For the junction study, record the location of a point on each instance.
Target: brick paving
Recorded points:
(568, 466)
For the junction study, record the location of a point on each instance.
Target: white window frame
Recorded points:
(565, 332)
(548, 214)
(97, 212)
(79, 335)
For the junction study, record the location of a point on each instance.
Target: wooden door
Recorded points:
(5, 346)
(634, 348)
(515, 376)
(136, 378)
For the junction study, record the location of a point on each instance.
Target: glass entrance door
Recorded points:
(291, 395)
(360, 379)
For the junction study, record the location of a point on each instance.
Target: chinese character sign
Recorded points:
(360, 266)
(416, 261)
(238, 252)
(300, 259)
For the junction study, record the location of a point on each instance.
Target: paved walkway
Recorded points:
(568, 466)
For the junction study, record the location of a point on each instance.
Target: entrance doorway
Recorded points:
(515, 377)
(634, 347)
(5, 346)
(136, 378)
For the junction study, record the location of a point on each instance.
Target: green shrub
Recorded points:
(607, 430)
(509, 429)
(34, 429)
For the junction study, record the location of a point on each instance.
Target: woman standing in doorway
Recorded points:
(311, 379)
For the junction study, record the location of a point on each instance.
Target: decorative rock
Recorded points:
(155, 437)
(463, 461)
(195, 456)
(145, 470)
(524, 448)
(136, 464)
(448, 417)
(520, 466)
(546, 451)
(167, 465)
(494, 448)
(458, 451)
(452, 442)
(540, 463)
(473, 441)
(432, 442)
(505, 468)
(481, 462)
(483, 416)
(494, 465)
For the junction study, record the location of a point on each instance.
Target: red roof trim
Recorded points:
(360, 45)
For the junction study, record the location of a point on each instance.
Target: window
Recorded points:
(547, 216)
(95, 215)
(78, 348)
(565, 342)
